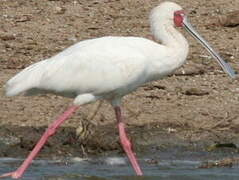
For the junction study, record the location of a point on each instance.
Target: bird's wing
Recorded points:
(94, 67)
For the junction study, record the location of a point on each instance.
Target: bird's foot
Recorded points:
(14, 175)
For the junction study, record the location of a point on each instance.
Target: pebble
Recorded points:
(229, 20)
(60, 10)
(7, 37)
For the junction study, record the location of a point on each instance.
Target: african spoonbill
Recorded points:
(109, 68)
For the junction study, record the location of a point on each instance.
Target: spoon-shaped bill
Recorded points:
(225, 66)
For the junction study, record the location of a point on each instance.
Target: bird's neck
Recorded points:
(170, 37)
(175, 45)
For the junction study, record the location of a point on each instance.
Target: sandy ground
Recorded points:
(197, 104)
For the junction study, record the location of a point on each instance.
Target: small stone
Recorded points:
(195, 92)
(229, 20)
(23, 18)
(151, 161)
(7, 37)
(60, 10)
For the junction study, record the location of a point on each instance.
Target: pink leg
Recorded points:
(126, 143)
(50, 131)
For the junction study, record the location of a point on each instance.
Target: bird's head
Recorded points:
(167, 13)
(170, 13)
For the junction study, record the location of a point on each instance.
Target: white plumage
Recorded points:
(109, 68)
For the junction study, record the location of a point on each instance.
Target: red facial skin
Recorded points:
(178, 18)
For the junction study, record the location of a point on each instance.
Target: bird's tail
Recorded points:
(26, 79)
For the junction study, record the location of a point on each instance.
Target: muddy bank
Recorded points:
(18, 141)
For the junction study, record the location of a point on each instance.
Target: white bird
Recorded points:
(109, 68)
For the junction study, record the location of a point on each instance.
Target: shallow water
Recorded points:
(117, 168)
